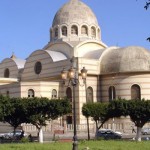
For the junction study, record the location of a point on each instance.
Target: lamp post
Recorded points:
(72, 75)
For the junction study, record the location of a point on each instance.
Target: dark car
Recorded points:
(16, 134)
(108, 134)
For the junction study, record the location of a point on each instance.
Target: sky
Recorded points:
(25, 24)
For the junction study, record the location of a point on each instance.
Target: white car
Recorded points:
(145, 131)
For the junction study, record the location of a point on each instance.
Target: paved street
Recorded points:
(83, 135)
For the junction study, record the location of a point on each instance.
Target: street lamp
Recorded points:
(72, 75)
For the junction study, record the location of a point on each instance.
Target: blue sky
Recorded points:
(25, 24)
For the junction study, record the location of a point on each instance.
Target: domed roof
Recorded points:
(128, 59)
(75, 11)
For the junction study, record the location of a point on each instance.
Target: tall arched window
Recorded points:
(6, 73)
(98, 32)
(93, 32)
(84, 30)
(54, 93)
(135, 92)
(56, 32)
(112, 93)
(69, 94)
(74, 30)
(64, 31)
(30, 93)
(89, 93)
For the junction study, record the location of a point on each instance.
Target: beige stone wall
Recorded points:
(11, 65)
(41, 89)
(123, 83)
(91, 65)
(91, 81)
(50, 69)
(87, 47)
(13, 88)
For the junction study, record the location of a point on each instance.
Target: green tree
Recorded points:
(147, 4)
(13, 111)
(139, 112)
(98, 112)
(41, 110)
(146, 7)
(117, 108)
(4, 104)
(86, 113)
(37, 114)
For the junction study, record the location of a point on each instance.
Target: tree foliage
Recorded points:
(139, 111)
(146, 7)
(40, 110)
(17, 112)
(97, 111)
(13, 111)
(4, 107)
(36, 111)
(147, 4)
(118, 108)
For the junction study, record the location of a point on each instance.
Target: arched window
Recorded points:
(6, 73)
(112, 93)
(135, 92)
(56, 32)
(30, 93)
(38, 67)
(54, 93)
(64, 31)
(98, 31)
(74, 30)
(69, 94)
(84, 30)
(93, 32)
(89, 93)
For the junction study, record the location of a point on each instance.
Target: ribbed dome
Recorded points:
(75, 11)
(128, 59)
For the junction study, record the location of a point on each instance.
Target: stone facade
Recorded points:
(77, 34)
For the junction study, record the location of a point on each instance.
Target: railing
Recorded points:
(123, 127)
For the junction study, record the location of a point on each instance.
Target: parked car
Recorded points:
(108, 134)
(145, 131)
(16, 134)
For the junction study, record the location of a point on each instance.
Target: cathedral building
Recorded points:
(112, 71)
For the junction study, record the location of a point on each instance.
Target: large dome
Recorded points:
(75, 11)
(128, 59)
